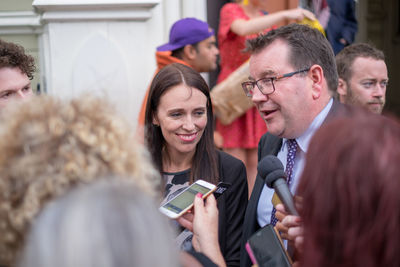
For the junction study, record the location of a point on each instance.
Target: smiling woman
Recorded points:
(179, 134)
(182, 117)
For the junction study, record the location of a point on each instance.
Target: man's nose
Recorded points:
(216, 50)
(257, 96)
(379, 90)
(21, 94)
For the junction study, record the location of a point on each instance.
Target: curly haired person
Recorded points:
(50, 147)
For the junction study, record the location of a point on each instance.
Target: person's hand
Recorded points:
(299, 14)
(186, 220)
(280, 215)
(205, 223)
(290, 227)
(343, 41)
(295, 231)
(202, 220)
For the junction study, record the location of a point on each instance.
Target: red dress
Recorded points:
(245, 131)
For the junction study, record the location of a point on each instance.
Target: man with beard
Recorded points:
(363, 77)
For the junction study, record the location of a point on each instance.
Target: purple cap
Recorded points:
(185, 32)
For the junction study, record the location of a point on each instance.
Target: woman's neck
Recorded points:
(174, 161)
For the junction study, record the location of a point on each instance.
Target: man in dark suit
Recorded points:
(292, 72)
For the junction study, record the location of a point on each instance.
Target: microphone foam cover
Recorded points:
(270, 168)
(273, 176)
(268, 164)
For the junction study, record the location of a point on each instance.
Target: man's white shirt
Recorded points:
(264, 207)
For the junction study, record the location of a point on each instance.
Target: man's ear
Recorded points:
(190, 52)
(342, 87)
(316, 74)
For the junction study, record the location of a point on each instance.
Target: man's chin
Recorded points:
(274, 130)
(375, 108)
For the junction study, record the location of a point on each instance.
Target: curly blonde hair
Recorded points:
(49, 146)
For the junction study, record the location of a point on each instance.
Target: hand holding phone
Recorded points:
(181, 203)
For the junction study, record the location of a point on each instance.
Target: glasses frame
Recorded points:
(271, 79)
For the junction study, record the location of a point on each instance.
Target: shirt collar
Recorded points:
(304, 140)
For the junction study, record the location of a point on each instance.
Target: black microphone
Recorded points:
(270, 168)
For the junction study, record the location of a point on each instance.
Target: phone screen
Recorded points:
(186, 198)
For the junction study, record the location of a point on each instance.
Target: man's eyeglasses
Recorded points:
(266, 85)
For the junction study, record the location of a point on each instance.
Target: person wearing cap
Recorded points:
(192, 43)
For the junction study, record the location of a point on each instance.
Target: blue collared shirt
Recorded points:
(264, 207)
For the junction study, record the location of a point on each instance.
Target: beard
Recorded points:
(374, 105)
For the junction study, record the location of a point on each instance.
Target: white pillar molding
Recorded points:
(19, 22)
(197, 9)
(92, 10)
(172, 10)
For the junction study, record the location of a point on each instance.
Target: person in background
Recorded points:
(113, 223)
(363, 77)
(48, 147)
(16, 71)
(292, 72)
(192, 43)
(179, 135)
(350, 213)
(342, 25)
(320, 8)
(239, 22)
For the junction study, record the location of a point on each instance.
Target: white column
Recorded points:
(102, 47)
(197, 9)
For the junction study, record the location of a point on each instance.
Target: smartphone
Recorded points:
(184, 200)
(221, 188)
(265, 248)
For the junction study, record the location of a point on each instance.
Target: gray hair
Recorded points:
(105, 224)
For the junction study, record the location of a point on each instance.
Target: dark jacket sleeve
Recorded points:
(268, 145)
(232, 206)
(342, 23)
(350, 28)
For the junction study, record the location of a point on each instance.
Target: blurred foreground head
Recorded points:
(350, 188)
(109, 223)
(49, 146)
